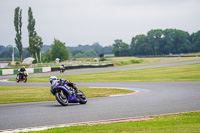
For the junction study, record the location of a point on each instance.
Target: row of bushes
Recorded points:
(122, 63)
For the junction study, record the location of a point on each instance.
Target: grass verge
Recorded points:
(117, 60)
(189, 72)
(19, 94)
(178, 123)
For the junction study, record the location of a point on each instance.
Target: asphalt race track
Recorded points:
(158, 98)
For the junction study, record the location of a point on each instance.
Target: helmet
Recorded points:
(23, 67)
(52, 78)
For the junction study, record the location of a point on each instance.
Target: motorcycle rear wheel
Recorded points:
(61, 98)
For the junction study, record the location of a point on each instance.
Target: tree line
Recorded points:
(6, 53)
(159, 42)
(93, 50)
(57, 50)
(58, 47)
(80, 51)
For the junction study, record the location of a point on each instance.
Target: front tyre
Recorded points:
(81, 96)
(61, 98)
(24, 79)
(17, 79)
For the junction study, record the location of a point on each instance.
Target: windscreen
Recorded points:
(53, 85)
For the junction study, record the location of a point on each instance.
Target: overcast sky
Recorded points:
(88, 21)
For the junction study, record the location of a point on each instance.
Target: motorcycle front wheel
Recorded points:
(61, 98)
(81, 96)
(24, 79)
(17, 79)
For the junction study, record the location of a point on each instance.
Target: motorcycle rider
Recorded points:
(62, 67)
(21, 73)
(54, 79)
(21, 70)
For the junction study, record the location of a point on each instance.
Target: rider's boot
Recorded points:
(76, 90)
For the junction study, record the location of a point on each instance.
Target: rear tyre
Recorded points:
(81, 96)
(61, 98)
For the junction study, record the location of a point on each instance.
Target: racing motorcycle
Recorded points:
(62, 69)
(21, 76)
(66, 92)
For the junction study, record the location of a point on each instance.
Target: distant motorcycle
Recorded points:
(66, 92)
(62, 69)
(21, 76)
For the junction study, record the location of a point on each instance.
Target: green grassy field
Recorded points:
(122, 61)
(19, 94)
(189, 72)
(178, 123)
